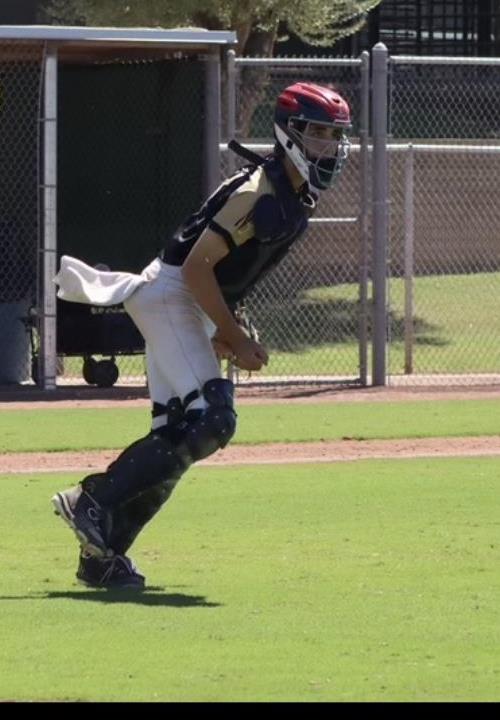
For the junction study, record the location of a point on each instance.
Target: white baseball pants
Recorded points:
(179, 353)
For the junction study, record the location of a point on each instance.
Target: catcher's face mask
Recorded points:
(325, 148)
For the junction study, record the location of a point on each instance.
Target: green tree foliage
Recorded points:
(256, 22)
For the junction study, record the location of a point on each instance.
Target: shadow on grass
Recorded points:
(150, 596)
(297, 324)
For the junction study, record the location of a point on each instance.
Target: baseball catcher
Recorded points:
(185, 305)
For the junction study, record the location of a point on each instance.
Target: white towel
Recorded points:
(78, 282)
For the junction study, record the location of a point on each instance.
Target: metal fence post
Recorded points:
(212, 122)
(232, 372)
(380, 212)
(231, 107)
(49, 251)
(408, 258)
(364, 130)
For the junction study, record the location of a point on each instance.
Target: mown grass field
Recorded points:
(357, 581)
(92, 429)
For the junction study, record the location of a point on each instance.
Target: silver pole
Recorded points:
(380, 212)
(448, 149)
(231, 108)
(443, 60)
(299, 62)
(364, 217)
(408, 258)
(49, 250)
(211, 177)
(232, 372)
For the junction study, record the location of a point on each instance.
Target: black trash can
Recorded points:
(16, 287)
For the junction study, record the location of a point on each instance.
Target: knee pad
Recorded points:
(214, 427)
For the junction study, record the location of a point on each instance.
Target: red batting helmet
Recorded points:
(310, 124)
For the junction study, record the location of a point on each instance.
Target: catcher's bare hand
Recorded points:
(249, 355)
(222, 349)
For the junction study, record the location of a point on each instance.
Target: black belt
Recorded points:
(165, 256)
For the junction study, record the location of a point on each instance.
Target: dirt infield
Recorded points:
(337, 451)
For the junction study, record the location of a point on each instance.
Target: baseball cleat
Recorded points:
(85, 517)
(116, 573)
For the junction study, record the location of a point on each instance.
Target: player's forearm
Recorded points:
(201, 280)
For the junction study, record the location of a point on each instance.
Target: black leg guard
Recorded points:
(144, 464)
(128, 519)
(165, 455)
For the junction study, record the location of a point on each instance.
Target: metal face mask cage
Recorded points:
(325, 155)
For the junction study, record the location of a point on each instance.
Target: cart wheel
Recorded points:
(89, 370)
(106, 373)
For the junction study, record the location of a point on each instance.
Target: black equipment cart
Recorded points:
(87, 330)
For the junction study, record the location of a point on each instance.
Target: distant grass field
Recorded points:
(455, 317)
(455, 324)
(81, 429)
(365, 581)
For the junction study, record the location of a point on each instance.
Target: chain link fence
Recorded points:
(20, 111)
(308, 310)
(444, 222)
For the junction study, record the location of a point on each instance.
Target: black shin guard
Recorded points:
(128, 519)
(144, 464)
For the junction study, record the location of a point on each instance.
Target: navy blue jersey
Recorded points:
(259, 214)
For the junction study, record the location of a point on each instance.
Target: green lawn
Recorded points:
(355, 581)
(455, 323)
(365, 581)
(68, 429)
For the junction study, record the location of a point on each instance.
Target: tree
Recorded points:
(256, 22)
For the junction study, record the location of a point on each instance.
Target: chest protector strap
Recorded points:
(246, 153)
